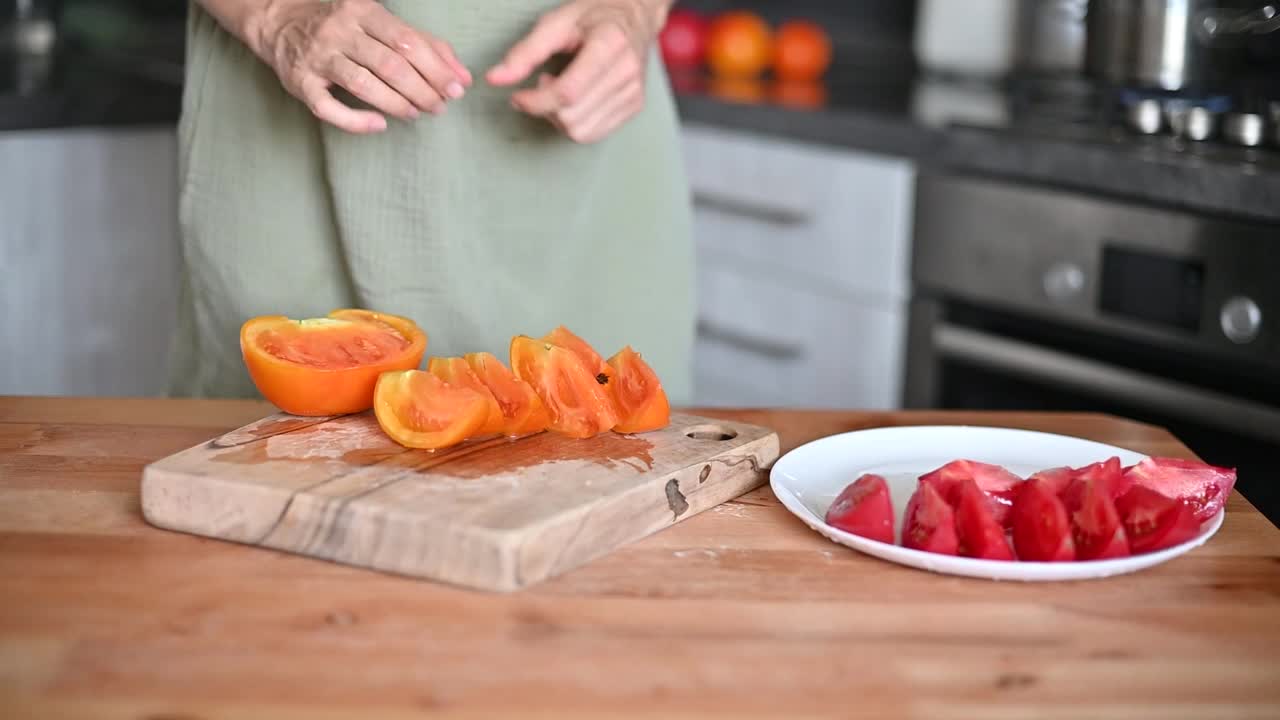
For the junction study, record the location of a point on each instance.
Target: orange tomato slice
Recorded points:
(642, 403)
(590, 358)
(458, 373)
(580, 406)
(327, 366)
(421, 411)
(522, 409)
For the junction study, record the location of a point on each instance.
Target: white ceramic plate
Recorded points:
(810, 477)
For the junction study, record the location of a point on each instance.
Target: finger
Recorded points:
(603, 50)
(447, 53)
(417, 49)
(315, 93)
(362, 83)
(615, 80)
(538, 100)
(605, 118)
(393, 69)
(594, 61)
(556, 32)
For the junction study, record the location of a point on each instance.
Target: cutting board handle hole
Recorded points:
(715, 433)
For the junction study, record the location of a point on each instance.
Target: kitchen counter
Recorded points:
(968, 127)
(77, 89)
(739, 611)
(851, 111)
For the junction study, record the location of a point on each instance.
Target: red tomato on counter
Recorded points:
(683, 39)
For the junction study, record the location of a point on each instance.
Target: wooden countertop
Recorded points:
(741, 611)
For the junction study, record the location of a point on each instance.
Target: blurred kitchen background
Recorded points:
(1035, 204)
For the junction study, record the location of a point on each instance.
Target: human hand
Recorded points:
(358, 45)
(604, 86)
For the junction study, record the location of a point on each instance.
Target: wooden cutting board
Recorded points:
(495, 515)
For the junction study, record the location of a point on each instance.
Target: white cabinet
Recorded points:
(803, 272)
(89, 259)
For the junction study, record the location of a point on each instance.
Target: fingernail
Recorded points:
(455, 90)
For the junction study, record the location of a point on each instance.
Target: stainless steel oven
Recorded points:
(1033, 298)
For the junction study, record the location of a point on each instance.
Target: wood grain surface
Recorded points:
(738, 612)
(495, 514)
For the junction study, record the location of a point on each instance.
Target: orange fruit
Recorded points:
(739, 45)
(802, 51)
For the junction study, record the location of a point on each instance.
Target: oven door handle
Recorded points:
(1032, 362)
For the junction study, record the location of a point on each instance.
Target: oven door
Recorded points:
(966, 357)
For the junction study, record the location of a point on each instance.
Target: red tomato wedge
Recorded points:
(1056, 480)
(1204, 487)
(1097, 531)
(994, 480)
(419, 410)
(328, 366)
(591, 359)
(930, 523)
(980, 534)
(580, 406)
(1107, 475)
(522, 410)
(458, 373)
(864, 509)
(637, 394)
(1041, 528)
(1153, 521)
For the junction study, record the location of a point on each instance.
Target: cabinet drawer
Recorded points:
(764, 343)
(841, 217)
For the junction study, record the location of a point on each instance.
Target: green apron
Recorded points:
(480, 224)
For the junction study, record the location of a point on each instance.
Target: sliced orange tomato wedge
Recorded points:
(522, 409)
(421, 411)
(590, 358)
(642, 403)
(458, 373)
(580, 406)
(327, 366)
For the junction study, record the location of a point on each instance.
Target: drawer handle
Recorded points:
(749, 209)
(1081, 374)
(747, 343)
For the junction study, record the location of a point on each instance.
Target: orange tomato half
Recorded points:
(458, 373)
(419, 410)
(327, 366)
(580, 406)
(522, 409)
(637, 392)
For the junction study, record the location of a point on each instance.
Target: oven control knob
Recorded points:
(1063, 281)
(1241, 320)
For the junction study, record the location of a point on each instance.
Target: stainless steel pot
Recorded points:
(1173, 44)
(1051, 35)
